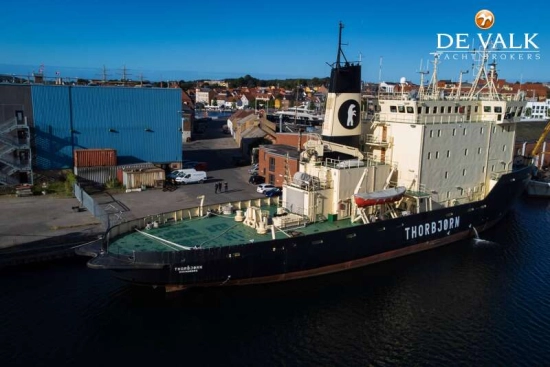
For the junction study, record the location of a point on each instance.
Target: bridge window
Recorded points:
(393, 109)
(486, 108)
(449, 109)
(476, 108)
(442, 109)
(401, 109)
(410, 109)
(434, 109)
(498, 109)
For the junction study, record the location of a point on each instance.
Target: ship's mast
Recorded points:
(475, 91)
(459, 90)
(421, 88)
(433, 92)
(340, 52)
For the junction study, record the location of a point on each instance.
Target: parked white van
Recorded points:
(180, 172)
(191, 177)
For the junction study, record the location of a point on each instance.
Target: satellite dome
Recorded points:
(403, 80)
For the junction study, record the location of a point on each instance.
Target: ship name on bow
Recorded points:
(426, 229)
(188, 269)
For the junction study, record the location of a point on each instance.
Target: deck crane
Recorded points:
(538, 145)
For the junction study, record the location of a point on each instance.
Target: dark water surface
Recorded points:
(467, 304)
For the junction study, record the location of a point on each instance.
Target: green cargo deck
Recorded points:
(207, 232)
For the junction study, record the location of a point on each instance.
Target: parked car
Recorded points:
(277, 191)
(256, 179)
(262, 188)
(254, 169)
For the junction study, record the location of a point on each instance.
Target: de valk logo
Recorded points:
(485, 19)
(502, 46)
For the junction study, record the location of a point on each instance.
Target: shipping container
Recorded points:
(100, 175)
(148, 177)
(94, 157)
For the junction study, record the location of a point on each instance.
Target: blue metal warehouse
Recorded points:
(142, 124)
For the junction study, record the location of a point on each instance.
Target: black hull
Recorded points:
(323, 253)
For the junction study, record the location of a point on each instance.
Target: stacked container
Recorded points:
(96, 165)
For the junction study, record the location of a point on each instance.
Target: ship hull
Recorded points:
(323, 253)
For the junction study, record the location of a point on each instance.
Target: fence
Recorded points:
(108, 214)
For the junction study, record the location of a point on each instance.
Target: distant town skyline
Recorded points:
(285, 40)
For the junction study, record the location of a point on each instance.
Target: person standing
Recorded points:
(225, 186)
(216, 188)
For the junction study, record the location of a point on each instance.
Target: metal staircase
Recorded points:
(15, 151)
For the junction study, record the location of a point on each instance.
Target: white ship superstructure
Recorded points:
(445, 150)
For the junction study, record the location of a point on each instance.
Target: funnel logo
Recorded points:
(348, 114)
(485, 19)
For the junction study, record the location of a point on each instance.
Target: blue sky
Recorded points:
(274, 39)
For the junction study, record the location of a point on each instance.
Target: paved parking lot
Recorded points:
(31, 219)
(213, 147)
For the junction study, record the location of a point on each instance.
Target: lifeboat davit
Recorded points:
(379, 197)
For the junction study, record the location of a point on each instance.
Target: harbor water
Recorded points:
(472, 303)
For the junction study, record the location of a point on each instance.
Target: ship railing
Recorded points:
(372, 139)
(433, 119)
(167, 218)
(299, 211)
(395, 96)
(374, 159)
